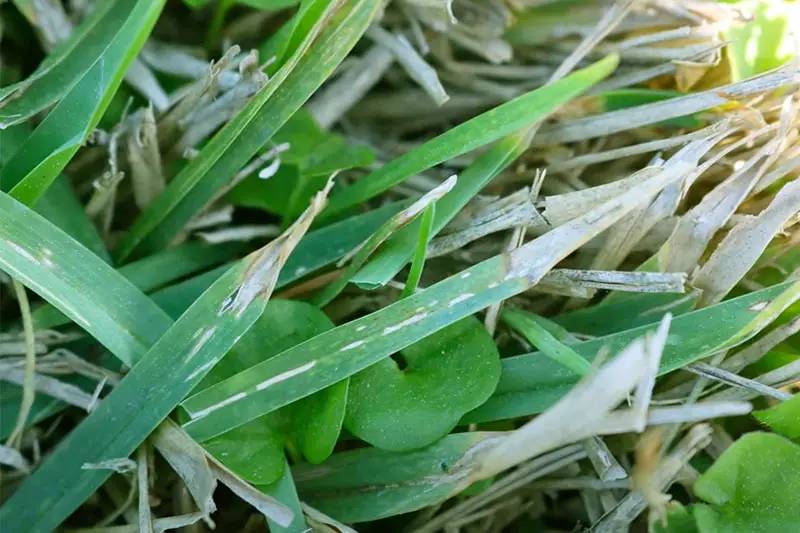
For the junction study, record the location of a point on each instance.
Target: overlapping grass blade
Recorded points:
(154, 272)
(78, 283)
(397, 251)
(335, 355)
(59, 204)
(479, 131)
(32, 169)
(531, 383)
(333, 35)
(64, 67)
(370, 483)
(170, 369)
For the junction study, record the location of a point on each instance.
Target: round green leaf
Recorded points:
(448, 374)
(255, 450)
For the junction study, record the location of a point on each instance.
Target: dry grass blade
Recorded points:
(740, 249)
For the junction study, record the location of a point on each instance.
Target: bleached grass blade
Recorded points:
(593, 399)
(616, 121)
(634, 503)
(332, 102)
(188, 459)
(417, 68)
(741, 248)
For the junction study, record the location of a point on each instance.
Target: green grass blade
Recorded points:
(284, 491)
(370, 483)
(545, 341)
(62, 69)
(369, 246)
(317, 250)
(479, 131)
(32, 169)
(154, 272)
(154, 386)
(415, 273)
(59, 204)
(531, 383)
(77, 282)
(332, 37)
(345, 350)
(396, 252)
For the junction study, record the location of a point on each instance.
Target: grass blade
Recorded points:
(198, 340)
(345, 350)
(481, 130)
(153, 272)
(62, 69)
(391, 258)
(332, 37)
(53, 265)
(32, 169)
(530, 383)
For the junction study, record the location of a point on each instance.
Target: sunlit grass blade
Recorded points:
(530, 383)
(479, 131)
(323, 47)
(32, 169)
(154, 386)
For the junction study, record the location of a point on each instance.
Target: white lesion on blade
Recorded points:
(47, 255)
(200, 370)
(286, 375)
(352, 345)
(210, 409)
(461, 298)
(204, 338)
(361, 328)
(407, 322)
(21, 251)
(260, 276)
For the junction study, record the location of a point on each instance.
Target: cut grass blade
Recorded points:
(317, 250)
(170, 369)
(32, 169)
(531, 383)
(479, 131)
(345, 350)
(322, 48)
